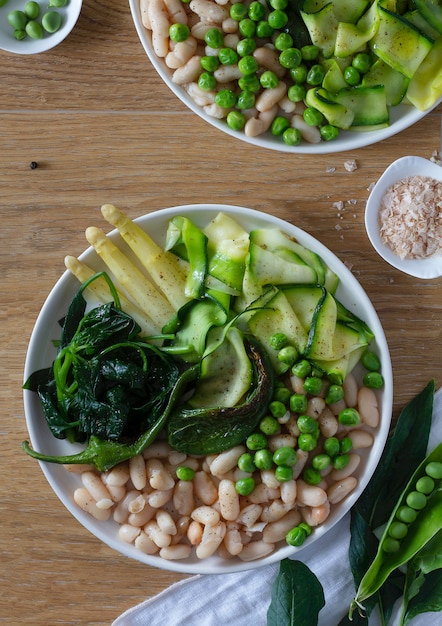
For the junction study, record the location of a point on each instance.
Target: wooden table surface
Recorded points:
(102, 127)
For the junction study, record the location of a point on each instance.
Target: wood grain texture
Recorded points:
(103, 128)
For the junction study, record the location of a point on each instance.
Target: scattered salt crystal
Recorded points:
(330, 169)
(338, 205)
(338, 227)
(350, 165)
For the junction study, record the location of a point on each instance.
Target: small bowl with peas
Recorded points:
(34, 26)
(296, 82)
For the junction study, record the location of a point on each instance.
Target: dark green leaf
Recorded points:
(429, 598)
(297, 596)
(73, 317)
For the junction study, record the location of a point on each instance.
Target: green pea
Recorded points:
(32, 9)
(278, 127)
(349, 417)
(371, 361)
(352, 76)
(434, 470)
(238, 11)
(306, 527)
(225, 98)
(282, 394)
(416, 500)
(292, 136)
(209, 63)
(334, 394)
(246, 47)
(425, 485)
(179, 32)
(298, 403)
(277, 408)
(332, 446)
(286, 455)
(296, 93)
(329, 132)
(249, 82)
(362, 62)
(340, 461)
(307, 424)
(397, 530)
(58, 3)
(277, 19)
(17, 19)
(206, 81)
(301, 369)
(264, 30)
(269, 425)
(283, 41)
(278, 5)
(299, 74)
(289, 354)
(246, 100)
(313, 384)
(51, 21)
(247, 27)
(263, 459)
(257, 11)
(345, 445)
(373, 380)
(19, 34)
(256, 441)
(296, 536)
(185, 473)
(283, 473)
(246, 463)
(406, 514)
(214, 38)
(390, 545)
(278, 341)
(321, 461)
(245, 486)
(269, 79)
(290, 57)
(227, 56)
(248, 65)
(34, 29)
(315, 75)
(307, 442)
(236, 120)
(312, 476)
(310, 52)
(312, 116)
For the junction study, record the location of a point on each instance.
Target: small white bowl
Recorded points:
(41, 353)
(430, 267)
(9, 43)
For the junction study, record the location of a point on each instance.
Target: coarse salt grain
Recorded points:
(410, 217)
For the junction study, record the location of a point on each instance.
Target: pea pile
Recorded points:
(31, 22)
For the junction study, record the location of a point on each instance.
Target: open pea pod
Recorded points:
(415, 520)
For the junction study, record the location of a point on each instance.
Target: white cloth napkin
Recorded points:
(243, 598)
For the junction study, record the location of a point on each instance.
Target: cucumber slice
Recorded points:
(395, 83)
(322, 25)
(431, 10)
(303, 299)
(369, 104)
(335, 113)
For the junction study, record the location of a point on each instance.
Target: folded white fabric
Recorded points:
(243, 598)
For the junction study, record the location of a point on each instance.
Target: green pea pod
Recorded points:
(419, 532)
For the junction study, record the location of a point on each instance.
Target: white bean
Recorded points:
(85, 501)
(269, 97)
(166, 523)
(280, 441)
(177, 458)
(188, 72)
(360, 439)
(269, 479)
(256, 550)
(340, 490)
(232, 541)
(183, 500)
(288, 491)
(229, 26)
(159, 498)
(269, 59)
(145, 544)
(228, 500)
(137, 504)
(157, 475)
(181, 53)
(311, 134)
(195, 533)
(117, 476)
(206, 515)
(348, 470)
(176, 552)
(204, 488)
(121, 511)
(144, 11)
(176, 11)
(302, 458)
(328, 424)
(297, 384)
(209, 11)
(249, 515)
(159, 22)
(315, 515)
(128, 533)
(211, 540)
(227, 73)
(117, 492)
(350, 387)
(256, 126)
(154, 532)
(95, 486)
(142, 517)
(292, 426)
(368, 407)
(78, 468)
(157, 450)
(276, 531)
(275, 511)
(315, 406)
(262, 494)
(311, 495)
(137, 471)
(199, 96)
(216, 111)
(226, 461)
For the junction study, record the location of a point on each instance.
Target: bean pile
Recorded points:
(243, 502)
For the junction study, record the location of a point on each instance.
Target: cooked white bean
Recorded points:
(226, 461)
(85, 501)
(297, 384)
(368, 407)
(195, 532)
(154, 532)
(117, 476)
(268, 478)
(232, 541)
(176, 11)
(287, 105)
(178, 458)
(292, 426)
(249, 515)
(142, 517)
(275, 511)
(281, 440)
(360, 439)
(311, 134)
(181, 53)
(104, 504)
(315, 406)
(214, 110)
(145, 544)
(350, 387)
(157, 450)
(95, 486)
(229, 26)
(276, 531)
(206, 515)
(128, 533)
(157, 475)
(209, 11)
(204, 489)
(227, 73)
(353, 463)
(328, 424)
(338, 406)
(166, 523)
(269, 59)
(211, 540)
(121, 510)
(182, 525)
(340, 490)
(200, 28)
(137, 471)
(256, 550)
(159, 498)
(176, 552)
(262, 494)
(288, 491)
(159, 23)
(138, 504)
(302, 458)
(311, 495)
(183, 500)
(256, 126)
(228, 500)
(78, 468)
(269, 97)
(144, 11)
(188, 72)
(316, 515)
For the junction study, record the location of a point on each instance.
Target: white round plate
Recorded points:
(401, 117)
(404, 167)
(41, 353)
(9, 43)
